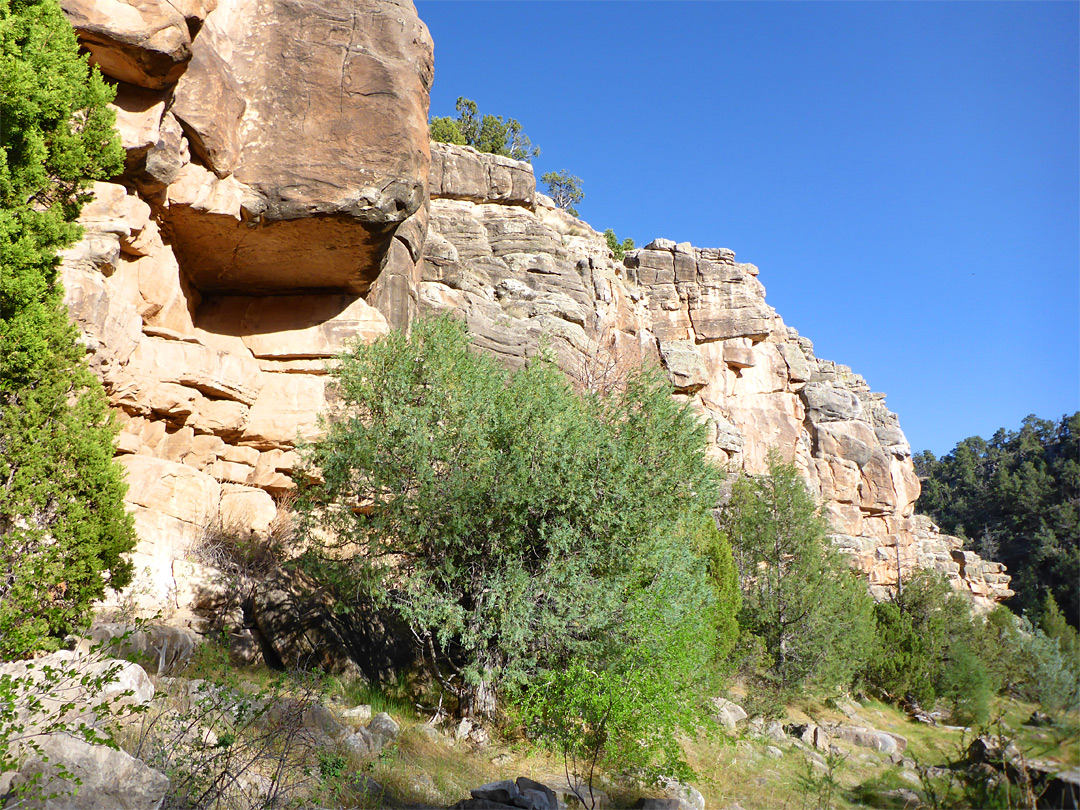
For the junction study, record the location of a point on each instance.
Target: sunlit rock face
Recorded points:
(523, 273)
(280, 200)
(272, 209)
(310, 119)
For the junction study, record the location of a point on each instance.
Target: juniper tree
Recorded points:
(800, 597)
(565, 190)
(63, 528)
(486, 133)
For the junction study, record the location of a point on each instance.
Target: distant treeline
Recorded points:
(1015, 499)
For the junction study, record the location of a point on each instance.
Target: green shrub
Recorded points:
(617, 247)
(701, 533)
(486, 133)
(63, 527)
(800, 596)
(512, 524)
(1053, 676)
(966, 685)
(901, 664)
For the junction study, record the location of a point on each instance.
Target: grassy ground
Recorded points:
(422, 768)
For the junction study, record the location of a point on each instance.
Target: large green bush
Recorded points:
(63, 527)
(931, 644)
(512, 524)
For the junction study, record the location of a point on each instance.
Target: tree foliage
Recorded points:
(617, 247)
(63, 527)
(486, 133)
(799, 595)
(1016, 499)
(512, 524)
(624, 711)
(565, 189)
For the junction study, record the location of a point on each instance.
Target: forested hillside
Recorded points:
(1015, 498)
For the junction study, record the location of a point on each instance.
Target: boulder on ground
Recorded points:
(728, 714)
(88, 777)
(383, 728)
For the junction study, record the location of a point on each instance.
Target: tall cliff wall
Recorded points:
(280, 198)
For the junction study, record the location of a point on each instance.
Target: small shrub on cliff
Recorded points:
(512, 524)
(565, 189)
(617, 247)
(486, 133)
(63, 528)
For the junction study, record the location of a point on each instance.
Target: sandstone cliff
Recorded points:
(280, 198)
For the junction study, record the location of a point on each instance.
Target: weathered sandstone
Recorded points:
(144, 42)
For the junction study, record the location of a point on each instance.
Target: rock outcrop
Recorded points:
(520, 271)
(280, 199)
(272, 208)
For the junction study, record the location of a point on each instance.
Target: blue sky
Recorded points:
(906, 175)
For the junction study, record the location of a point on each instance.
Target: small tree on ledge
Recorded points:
(486, 133)
(565, 189)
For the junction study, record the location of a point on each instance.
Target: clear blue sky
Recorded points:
(906, 176)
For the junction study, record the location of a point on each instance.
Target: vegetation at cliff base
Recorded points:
(517, 527)
(801, 601)
(63, 527)
(1015, 499)
(486, 133)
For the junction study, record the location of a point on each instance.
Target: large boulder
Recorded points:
(144, 42)
(317, 113)
(71, 689)
(79, 776)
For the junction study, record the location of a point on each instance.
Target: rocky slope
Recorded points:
(281, 198)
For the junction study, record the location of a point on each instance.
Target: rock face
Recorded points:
(280, 199)
(309, 120)
(272, 208)
(517, 268)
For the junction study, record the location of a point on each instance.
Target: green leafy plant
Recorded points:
(502, 516)
(75, 695)
(486, 133)
(800, 597)
(823, 786)
(564, 189)
(63, 527)
(617, 247)
(930, 644)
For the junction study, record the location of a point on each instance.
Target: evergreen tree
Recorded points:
(513, 525)
(565, 190)
(620, 249)
(63, 527)
(930, 644)
(800, 596)
(1016, 499)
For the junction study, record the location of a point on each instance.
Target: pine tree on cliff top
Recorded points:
(63, 528)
